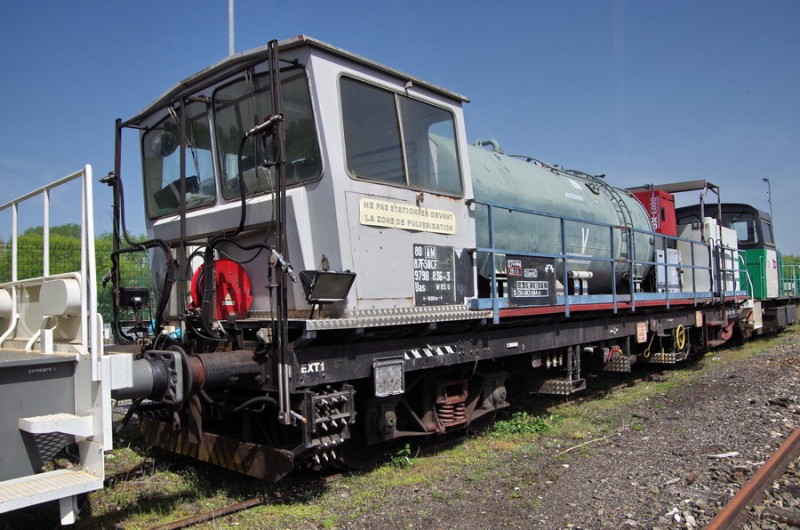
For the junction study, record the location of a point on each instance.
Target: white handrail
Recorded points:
(746, 275)
(89, 272)
(12, 326)
(89, 331)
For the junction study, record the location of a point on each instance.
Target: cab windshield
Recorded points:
(246, 103)
(238, 106)
(162, 161)
(752, 230)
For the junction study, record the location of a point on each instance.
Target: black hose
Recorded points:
(267, 400)
(169, 272)
(205, 397)
(128, 415)
(207, 302)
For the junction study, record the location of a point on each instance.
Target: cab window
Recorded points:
(398, 140)
(766, 230)
(746, 229)
(162, 166)
(246, 103)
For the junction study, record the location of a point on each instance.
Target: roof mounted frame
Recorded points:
(704, 186)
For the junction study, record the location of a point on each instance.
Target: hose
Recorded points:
(265, 400)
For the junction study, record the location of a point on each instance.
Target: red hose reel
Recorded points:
(233, 296)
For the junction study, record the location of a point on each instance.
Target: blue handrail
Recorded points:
(716, 271)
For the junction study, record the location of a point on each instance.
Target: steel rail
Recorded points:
(735, 511)
(213, 514)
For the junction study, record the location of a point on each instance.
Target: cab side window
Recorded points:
(398, 140)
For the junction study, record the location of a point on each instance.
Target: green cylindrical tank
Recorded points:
(532, 185)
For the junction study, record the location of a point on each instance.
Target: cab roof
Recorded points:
(240, 61)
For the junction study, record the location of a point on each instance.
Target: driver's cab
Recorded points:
(372, 171)
(204, 137)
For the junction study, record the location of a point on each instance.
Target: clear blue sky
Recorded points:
(643, 91)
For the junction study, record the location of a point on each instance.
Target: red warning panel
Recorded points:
(232, 284)
(660, 207)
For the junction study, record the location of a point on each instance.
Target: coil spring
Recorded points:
(451, 413)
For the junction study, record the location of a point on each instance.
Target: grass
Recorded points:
(147, 487)
(522, 423)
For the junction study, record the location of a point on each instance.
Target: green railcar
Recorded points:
(759, 260)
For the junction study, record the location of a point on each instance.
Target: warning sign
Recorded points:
(373, 212)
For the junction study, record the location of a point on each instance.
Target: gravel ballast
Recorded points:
(673, 465)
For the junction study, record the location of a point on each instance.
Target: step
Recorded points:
(563, 386)
(44, 487)
(619, 364)
(61, 422)
(664, 357)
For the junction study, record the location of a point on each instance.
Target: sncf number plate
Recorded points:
(434, 275)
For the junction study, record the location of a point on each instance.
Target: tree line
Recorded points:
(65, 256)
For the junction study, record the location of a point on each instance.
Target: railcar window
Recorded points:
(766, 231)
(746, 230)
(398, 140)
(245, 103)
(429, 137)
(162, 168)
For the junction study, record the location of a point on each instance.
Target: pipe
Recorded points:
(150, 380)
(231, 49)
(495, 145)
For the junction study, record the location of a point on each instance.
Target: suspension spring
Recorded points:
(451, 413)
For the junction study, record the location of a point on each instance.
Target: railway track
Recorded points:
(771, 499)
(211, 515)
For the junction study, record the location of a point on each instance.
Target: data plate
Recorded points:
(531, 281)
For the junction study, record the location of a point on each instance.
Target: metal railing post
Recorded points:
(566, 268)
(613, 268)
(493, 254)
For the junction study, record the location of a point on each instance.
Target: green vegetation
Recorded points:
(65, 256)
(402, 457)
(523, 423)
